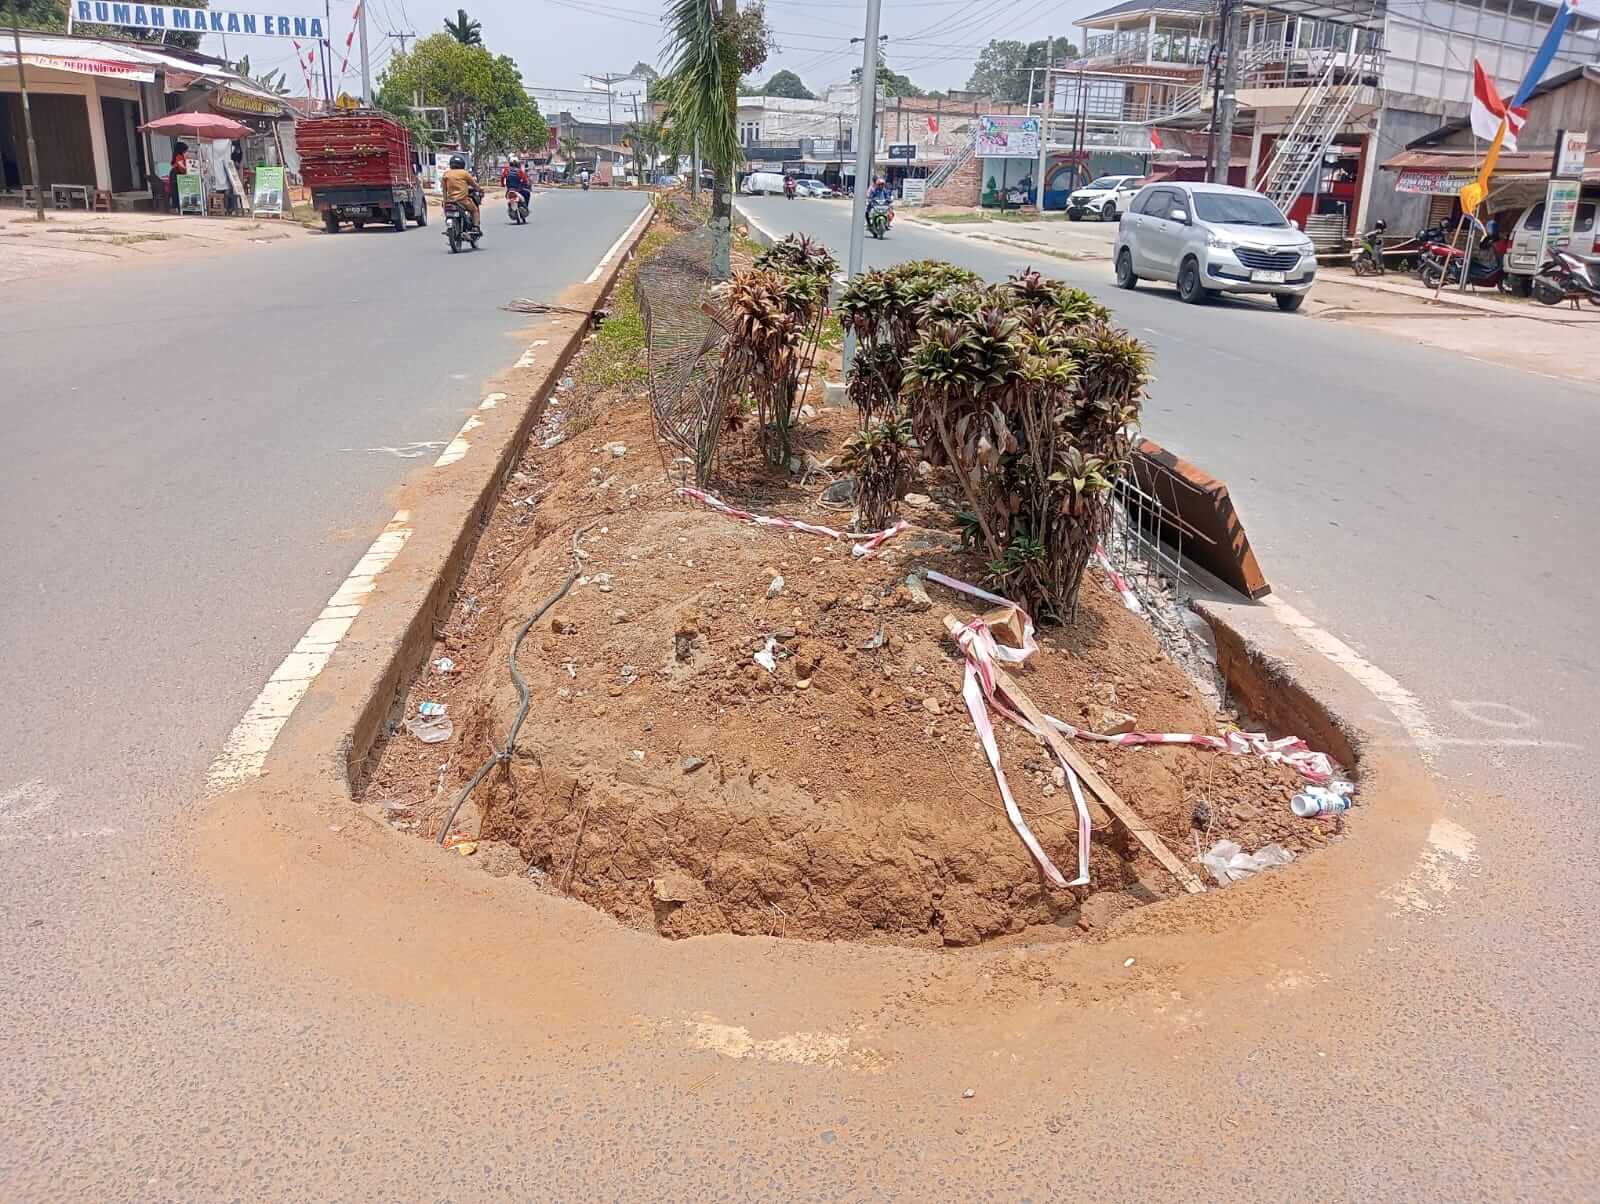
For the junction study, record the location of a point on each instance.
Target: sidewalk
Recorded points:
(74, 240)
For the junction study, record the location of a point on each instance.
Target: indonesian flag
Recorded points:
(933, 125)
(1488, 110)
(1155, 139)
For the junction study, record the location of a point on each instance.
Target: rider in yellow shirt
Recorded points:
(460, 186)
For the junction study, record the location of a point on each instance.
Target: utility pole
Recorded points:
(1044, 119)
(327, 51)
(694, 166)
(27, 113)
(866, 143)
(366, 62)
(1226, 102)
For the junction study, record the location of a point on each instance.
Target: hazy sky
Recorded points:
(555, 41)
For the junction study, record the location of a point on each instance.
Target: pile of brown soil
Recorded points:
(667, 778)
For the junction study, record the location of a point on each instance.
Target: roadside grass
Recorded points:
(990, 215)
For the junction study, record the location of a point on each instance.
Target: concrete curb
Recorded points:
(331, 732)
(758, 234)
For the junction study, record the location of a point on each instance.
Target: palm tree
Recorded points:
(464, 29)
(643, 138)
(570, 148)
(701, 88)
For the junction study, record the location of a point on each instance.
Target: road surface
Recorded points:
(195, 458)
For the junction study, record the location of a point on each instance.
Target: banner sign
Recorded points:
(914, 192)
(231, 100)
(193, 20)
(141, 72)
(268, 196)
(191, 197)
(1007, 137)
(1433, 183)
(1560, 215)
(1572, 151)
(902, 150)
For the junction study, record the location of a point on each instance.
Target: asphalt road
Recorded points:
(1430, 511)
(194, 458)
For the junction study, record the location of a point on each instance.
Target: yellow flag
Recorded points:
(1472, 194)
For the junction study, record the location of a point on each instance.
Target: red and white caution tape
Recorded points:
(1118, 582)
(865, 546)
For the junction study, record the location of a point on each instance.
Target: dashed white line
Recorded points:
(245, 751)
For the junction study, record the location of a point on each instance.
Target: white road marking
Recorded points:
(406, 451)
(489, 402)
(1405, 705)
(460, 445)
(1451, 851)
(69, 834)
(618, 245)
(245, 751)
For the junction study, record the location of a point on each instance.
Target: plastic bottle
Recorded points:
(1318, 800)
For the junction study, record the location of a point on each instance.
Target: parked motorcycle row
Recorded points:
(1567, 276)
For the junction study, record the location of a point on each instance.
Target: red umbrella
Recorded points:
(201, 125)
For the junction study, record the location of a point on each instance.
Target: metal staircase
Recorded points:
(1252, 62)
(955, 162)
(1322, 112)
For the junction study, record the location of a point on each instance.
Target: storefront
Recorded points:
(89, 96)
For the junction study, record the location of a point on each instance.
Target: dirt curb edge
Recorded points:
(356, 692)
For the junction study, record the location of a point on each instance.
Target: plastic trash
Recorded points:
(431, 731)
(767, 658)
(775, 587)
(1318, 800)
(445, 665)
(1229, 863)
(430, 710)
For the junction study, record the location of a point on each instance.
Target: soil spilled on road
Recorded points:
(666, 777)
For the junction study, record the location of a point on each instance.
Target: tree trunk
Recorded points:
(722, 196)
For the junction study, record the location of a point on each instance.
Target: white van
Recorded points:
(758, 182)
(1522, 260)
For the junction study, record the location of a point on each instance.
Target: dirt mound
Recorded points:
(665, 776)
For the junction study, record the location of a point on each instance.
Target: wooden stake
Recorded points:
(1097, 785)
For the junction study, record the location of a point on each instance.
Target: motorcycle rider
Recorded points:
(789, 186)
(461, 187)
(881, 195)
(583, 178)
(517, 181)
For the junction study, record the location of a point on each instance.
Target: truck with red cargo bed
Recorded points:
(358, 165)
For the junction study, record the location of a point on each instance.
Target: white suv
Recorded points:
(1104, 198)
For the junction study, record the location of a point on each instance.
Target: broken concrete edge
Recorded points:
(331, 733)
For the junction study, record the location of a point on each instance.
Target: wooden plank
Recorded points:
(1113, 802)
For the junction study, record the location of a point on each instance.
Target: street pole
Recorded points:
(27, 113)
(1227, 103)
(1044, 121)
(694, 166)
(366, 62)
(866, 143)
(327, 51)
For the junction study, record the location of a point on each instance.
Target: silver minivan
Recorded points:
(1213, 238)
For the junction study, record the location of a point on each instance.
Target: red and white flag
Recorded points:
(1155, 139)
(1488, 110)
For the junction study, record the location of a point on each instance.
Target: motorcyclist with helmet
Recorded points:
(461, 187)
(517, 181)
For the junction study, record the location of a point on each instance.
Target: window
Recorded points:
(1158, 203)
(1237, 209)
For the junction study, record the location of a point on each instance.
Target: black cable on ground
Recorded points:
(502, 755)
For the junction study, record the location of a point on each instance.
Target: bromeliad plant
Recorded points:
(880, 457)
(1030, 397)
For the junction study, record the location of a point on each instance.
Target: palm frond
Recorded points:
(701, 82)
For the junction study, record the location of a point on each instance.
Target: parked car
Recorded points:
(1522, 261)
(1104, 198)
(759, 182)
(814, 188)
(1211, 238)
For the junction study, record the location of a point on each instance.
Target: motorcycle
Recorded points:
(1567, 277)
(879, 215)
(517, 207)
(789, 188)
(458, 227)
(585, 182)
(1369, 259)
(1442, 262)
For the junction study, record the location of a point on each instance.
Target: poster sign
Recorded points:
(231, 100)
(191, 195)
(142, 72)
(902, 150)
(1572, 149)
(1007, 137)
(162, 17)
(914, 192)
(268, 198)
(236, 185)
(1560, 215)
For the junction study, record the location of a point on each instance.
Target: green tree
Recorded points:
(787, 83)
(891, 82)
(570, 148)
(643, 70)
(644, 139)
(50, 16)
(464, 29)
(486, 108)
(1005, 68)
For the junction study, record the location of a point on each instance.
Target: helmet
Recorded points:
(457, 162)
(512, 163)
(1382, 225)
